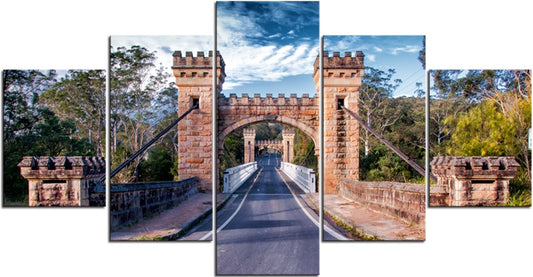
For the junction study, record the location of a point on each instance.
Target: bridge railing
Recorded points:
(304, 177)
(131, 202)
(234, 177)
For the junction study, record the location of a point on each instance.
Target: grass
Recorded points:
(350, 230)
(148, 238)
(519, 199)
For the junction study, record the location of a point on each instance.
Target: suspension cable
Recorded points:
(147, 145)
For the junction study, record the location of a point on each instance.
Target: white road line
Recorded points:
(236, 211)
(326, 228)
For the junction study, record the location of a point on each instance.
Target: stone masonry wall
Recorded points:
(403, 200)
(341, 80)
(134, 201)
(235, 112)
(64, 181)
(194, 79)
(471, 181)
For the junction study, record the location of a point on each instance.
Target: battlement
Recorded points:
(471, 181)
(248, 132)
(190, 61)
(474, 166)
(191, 70)
(289, 132)
(64, 181)
(64, 166)
(268, 142)
(257, 100)
(337, 62)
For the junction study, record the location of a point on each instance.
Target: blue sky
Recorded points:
(268, 47)
(386, 52)
(164, 46)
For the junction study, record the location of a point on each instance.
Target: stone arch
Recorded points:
(311, 132)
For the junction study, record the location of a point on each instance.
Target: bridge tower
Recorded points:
(249, 145)
(341, 81)
(288, 144)
(194, 79)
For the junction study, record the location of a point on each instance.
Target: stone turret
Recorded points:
(288, 145)
(63, 181)
(342, 78)
(471, 181)
(249, 145)
(194, 79)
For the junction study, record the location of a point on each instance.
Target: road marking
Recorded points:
(236, 211)
(326, 228)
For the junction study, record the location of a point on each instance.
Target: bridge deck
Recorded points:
(169, 223)
(367, 222)
(264, 230)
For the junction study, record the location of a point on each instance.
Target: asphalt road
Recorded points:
(263, 230)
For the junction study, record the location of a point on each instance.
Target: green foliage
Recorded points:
(142, 102)
(304, 151)
(482, 131)
(484, 113)
(80, 98)
(406, 132)
(32, 128)
(382, 164)
(157, 165)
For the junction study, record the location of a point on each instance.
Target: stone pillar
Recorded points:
(341, 81)
(471, 181)
(288, 144)
(249, 145)
(61, 181)
(194, 79)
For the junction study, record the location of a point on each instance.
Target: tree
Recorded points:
(304, 151)
(483, 131)
(54, 137)
(482, 113)
(31, 128)
(139, 93)
(407, 134)
(374, 102)
(80, 97)
(21, 93)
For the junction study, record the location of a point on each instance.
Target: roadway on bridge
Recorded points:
(264, 230)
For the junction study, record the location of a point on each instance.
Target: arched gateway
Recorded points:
(194, 79)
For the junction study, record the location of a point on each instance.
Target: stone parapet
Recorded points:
(471, 181)
(346, 61)
(269, 99)
(131, 202)
(403, 200)
(64, 181)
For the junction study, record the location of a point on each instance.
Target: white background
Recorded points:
(74, 35)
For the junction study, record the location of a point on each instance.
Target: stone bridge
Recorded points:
(284, 146)
(194, 79)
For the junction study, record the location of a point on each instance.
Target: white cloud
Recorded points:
(406, 49)
(370, 57)
(377, 49)
(246, 64)
(341, 43)
(248, 60)
(164, 46)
